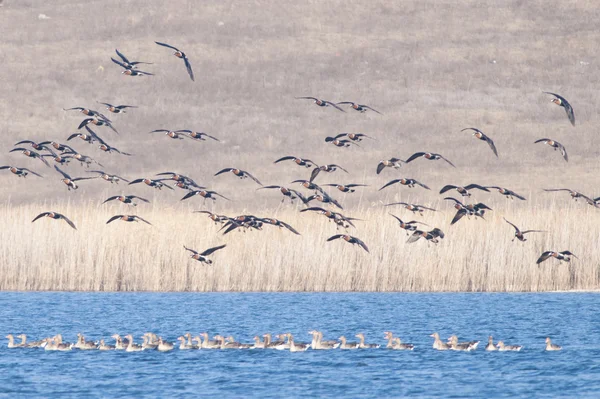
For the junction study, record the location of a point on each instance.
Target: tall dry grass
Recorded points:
(476, 255)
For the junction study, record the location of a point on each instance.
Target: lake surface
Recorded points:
(571, 319)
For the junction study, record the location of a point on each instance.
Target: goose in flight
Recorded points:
(559, 100)
(362, 108)
(203, 256)
(321, 103)
(180, 54)
(520, 235)
(481, 136)
(428, 155)
(350, 239)
(556, 145)
(55, 216)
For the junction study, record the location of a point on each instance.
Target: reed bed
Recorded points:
(476, 255)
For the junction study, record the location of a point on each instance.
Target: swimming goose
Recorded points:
(229, 341)
(190, 342)
(550, 346)
(60, 345)
(462, 346)
(132, 347)
(258, 344)
(104, 347)
(279, 343)
(390, 337)
(297, 346)
(11, 342)
(50, 344)
(362, 344)
(119, 343)
(151, 341)
(438, 343)
(490, 345)
(183, 345)
(197, 339)
(82, 344)
(399, 345)
(209, 344)
(348, 345)
(317, 342)
(505, 348)
(34, 344)
(164, 346)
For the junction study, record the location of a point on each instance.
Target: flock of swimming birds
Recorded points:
(63, 154)
(282, 342)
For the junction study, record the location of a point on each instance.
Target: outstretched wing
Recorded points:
(335, 237)
(114, 197)
(143, 220)
(290, 228)
(211, 250)
(188, 66)
(361, 243)
(389, 184)
(491, 144)
(223, 171)
(415, 156)
(563, 151)
(190, 249)
(448, 187)
(445, 159)
(516, 228)
(314, 174)
(122, 56)
(544, 256)
(459, 215)
(66, 176)
(285, 158)
(114, 218)
(252, 177)
(372, 109)
(167, 45)
(41, 215)
(333, 105)
(66, 219)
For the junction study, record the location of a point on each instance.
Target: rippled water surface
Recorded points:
(571, 319)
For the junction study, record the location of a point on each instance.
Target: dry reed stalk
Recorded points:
(476, 255)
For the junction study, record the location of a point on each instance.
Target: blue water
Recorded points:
(571, 319)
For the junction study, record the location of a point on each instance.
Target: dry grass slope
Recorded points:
(431, 67)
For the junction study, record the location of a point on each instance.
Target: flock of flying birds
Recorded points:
(63, 154)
